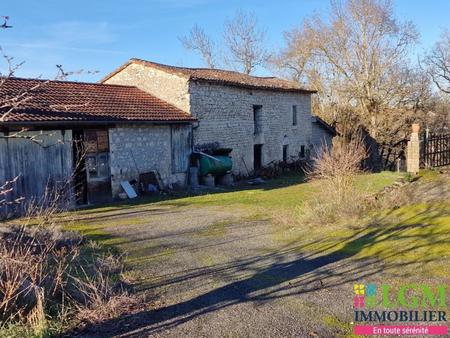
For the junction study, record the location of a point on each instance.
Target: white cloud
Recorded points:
(74, 32)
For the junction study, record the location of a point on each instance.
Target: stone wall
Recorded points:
(226, 116)
(168, 87)
(139, 149)
(320, 138)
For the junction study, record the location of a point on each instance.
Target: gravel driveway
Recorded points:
(219, 272)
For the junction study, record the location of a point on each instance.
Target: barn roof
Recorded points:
(36, 100)
(219, 76)
(324, 125)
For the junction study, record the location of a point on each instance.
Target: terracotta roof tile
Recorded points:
(78, 101)
(225, 77)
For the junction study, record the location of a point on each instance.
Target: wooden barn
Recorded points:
(94, 136)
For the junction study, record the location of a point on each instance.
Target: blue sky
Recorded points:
(102, 34)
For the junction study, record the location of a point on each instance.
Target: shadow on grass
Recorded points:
(276, 183)
(294, 269)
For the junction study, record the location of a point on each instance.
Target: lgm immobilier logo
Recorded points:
(409, 310)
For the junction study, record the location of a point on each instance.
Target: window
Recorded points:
(294, 115)
(97, 165)
(96, 141)
(257, 119)
(285, 153)
(91, 165)
(103, 165)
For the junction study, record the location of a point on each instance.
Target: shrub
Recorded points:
(337, 167)
(34, 271)
(49, 276)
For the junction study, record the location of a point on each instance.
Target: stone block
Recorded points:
(208, 180)
(226, 180)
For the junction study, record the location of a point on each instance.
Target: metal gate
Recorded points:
(435, 150)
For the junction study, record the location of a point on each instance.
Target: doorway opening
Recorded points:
(257, 156)
(285, 153)
(98, 174)
(92, 181)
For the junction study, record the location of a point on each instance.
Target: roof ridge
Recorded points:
(66, 81)
(220, 76)
(206, 68)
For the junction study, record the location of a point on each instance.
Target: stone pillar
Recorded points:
(413, 151)
(226, 180)
(209, 181)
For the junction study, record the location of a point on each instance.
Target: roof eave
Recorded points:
(116, 71)
(93, 122)
(142, 63)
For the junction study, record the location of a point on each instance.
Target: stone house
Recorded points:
(124, 132)
(263, 119)
(148, 117)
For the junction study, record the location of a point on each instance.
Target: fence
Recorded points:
(435, 150)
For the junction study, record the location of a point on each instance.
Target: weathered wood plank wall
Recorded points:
(42, 163)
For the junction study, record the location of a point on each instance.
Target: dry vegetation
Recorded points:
(53, 280)
(337, 168)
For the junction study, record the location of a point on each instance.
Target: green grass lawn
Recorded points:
(413, 239)
(284, 194)
(415, 235)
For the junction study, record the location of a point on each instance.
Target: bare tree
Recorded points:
(438, 62)
(13, 101)
(438, 116)
(9, 103)
(199, 42)
(358, 61)
(245, 42)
